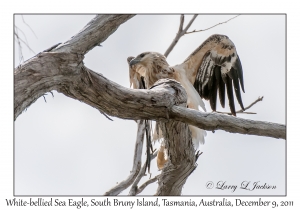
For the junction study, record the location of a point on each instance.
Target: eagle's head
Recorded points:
(155, 65)
(148, 59)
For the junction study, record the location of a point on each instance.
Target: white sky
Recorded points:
(65, 147)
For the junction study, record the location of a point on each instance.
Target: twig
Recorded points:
(19, 38)
(180, 33)
(194, 31)
(44, 97)
(240, 112)
(28, 26)
(243, 111)
(257, 100)
(18, 29)
(105, 115)
(21, 58)
(143, 186)
(51, 48)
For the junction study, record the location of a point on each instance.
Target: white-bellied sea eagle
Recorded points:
(213, 66)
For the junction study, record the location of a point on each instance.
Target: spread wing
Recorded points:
(136, 75)
(214, 67)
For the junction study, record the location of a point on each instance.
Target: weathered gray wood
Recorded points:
(42, 74)
(215, 121)
(29, 76)
(181, 154)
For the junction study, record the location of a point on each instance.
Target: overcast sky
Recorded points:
(65, 147)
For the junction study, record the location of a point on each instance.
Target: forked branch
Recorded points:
(180, 33)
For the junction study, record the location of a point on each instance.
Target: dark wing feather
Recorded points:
(234, 76)
(221, 85)
(214, 65)
(238, 67)
(230, 95)
(213, 90)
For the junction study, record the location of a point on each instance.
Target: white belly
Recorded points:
(193, 102)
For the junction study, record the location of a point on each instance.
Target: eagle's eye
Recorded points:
(142, 55)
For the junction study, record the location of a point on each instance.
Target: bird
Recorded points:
(210, 69)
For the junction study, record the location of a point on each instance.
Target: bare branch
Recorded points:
(85, 40)
(136, 162)
(194, 31)
(180, 33)
(181, 23)
(215, 121)
(134, 187)
(189, 25)
(246, 108)
(148, 182)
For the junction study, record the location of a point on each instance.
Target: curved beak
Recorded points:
(134, 61)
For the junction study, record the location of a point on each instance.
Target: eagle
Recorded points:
(213, 67)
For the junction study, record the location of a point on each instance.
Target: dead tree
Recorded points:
(61, 68)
